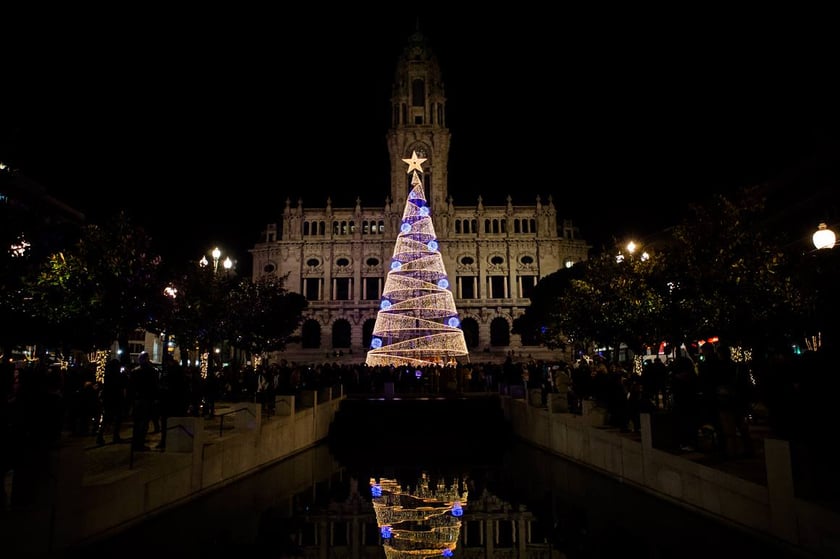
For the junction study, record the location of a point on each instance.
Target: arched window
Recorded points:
(470, 329)
(418, 93)
(341, 334)
(311, 334)
(499, 332)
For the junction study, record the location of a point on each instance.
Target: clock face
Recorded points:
(420, 151)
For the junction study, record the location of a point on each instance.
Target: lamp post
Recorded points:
(216, 253)
(827, 272)
(217, 284)
(171, 293)
(630, 256)
(631, 247)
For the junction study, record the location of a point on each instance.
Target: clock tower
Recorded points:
(494, 252)
(418, 125)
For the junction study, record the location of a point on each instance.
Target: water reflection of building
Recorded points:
(489, 527)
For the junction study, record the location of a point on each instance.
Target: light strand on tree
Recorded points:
(417, 323)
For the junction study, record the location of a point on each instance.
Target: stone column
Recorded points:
(780, 489)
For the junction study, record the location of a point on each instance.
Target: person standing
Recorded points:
(113, 402)
(143, 390)
(173, 396)
(563, 388)
(686, 406)
(210, 390)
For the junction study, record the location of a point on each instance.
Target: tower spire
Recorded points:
(418, 122)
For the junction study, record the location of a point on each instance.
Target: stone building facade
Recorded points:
(338, 257)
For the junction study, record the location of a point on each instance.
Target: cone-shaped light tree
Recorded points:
(417, 323)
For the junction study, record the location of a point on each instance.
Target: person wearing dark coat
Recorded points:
(112, 394)
(173, 397)
(143, 391)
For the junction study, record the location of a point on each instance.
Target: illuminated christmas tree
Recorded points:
(417, 323)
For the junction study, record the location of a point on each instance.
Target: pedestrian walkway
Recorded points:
(113, 461)
(103, 462)
(751, 467)
(748, 467)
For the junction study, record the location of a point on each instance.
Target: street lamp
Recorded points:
(824, 237)
(635, 262)
(216, 253)
(631, 249)
(825, 275)
(170, 292)
(207, 358)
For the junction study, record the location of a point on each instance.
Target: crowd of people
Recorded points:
(42, 402)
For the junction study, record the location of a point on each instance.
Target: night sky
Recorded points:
(200, 125)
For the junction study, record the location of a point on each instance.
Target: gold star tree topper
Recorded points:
(414, 162)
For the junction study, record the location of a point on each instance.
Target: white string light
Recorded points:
(417, 323)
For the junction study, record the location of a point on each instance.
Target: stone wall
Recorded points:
(771, 510)
(75, 506)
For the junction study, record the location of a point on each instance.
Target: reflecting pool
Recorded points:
(415, 499)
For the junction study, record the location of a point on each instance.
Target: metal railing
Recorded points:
(168, 428)
(222, 416)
